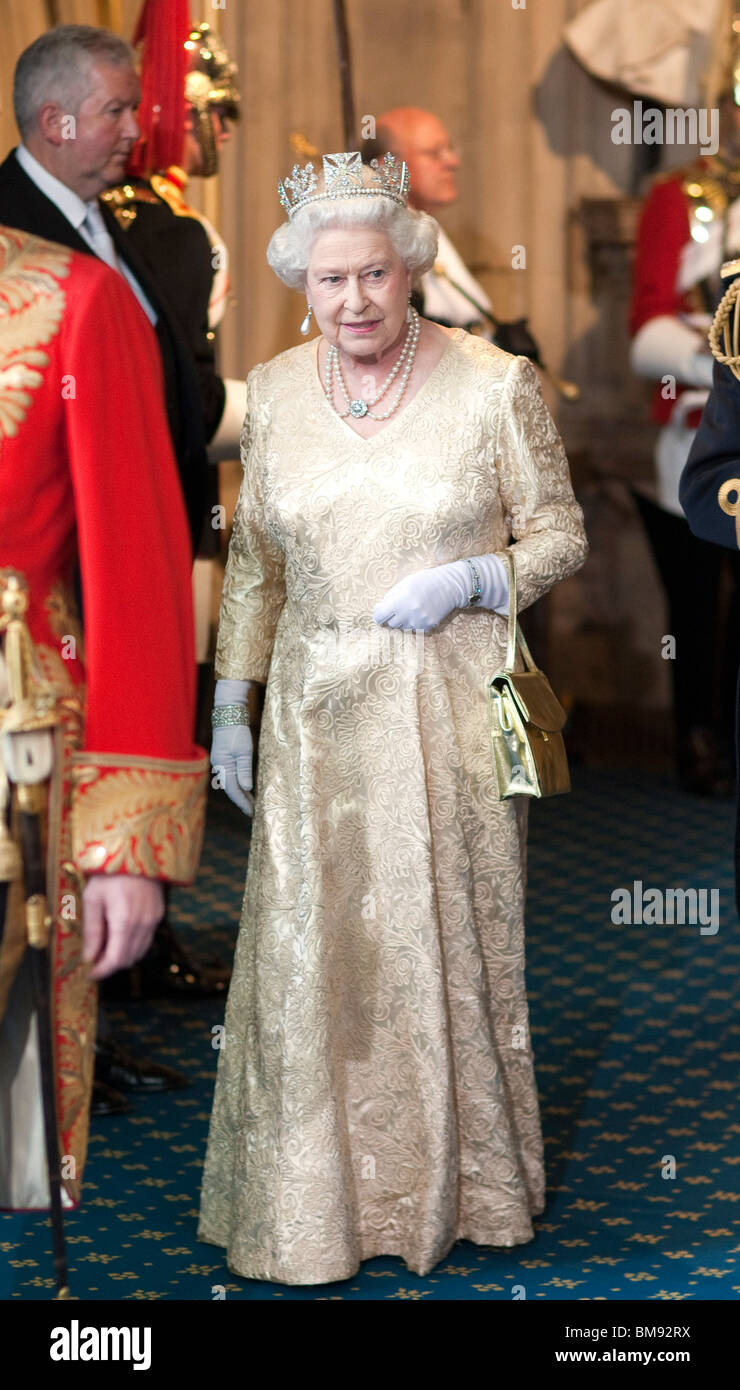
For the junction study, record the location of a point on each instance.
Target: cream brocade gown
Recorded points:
(376, 1092)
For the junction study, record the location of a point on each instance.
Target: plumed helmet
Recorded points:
(182, 66)
(212, 82)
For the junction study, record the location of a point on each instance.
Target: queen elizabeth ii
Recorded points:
(376, 1091)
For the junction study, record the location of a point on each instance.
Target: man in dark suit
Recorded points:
(183, 252)
(75, 97)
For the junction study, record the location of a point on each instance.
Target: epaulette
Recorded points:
(170, 191)
(123, 198)
(708, 179)
(718, 183)
(709, 184)
(694, 170)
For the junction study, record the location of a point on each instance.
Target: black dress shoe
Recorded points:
(117, 1068)
(704, 766)
(106, 1101)
(167, 971)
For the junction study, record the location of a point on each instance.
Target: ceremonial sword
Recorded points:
(27, 751)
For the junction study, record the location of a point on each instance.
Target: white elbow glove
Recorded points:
(422, 600)
(232, 747)
(665, 346)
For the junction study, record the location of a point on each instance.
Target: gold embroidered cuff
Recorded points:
(138, 815)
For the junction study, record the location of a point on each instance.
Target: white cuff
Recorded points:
(665, 346)
(228, 692)
(494, 582)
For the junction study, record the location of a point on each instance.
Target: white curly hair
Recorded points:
(413, 234)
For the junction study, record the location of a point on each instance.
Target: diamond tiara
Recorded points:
(345, 176)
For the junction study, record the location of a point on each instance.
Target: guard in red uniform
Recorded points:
(88, 478)
(690, 218)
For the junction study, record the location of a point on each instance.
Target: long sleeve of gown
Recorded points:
(254, 584)
(535, 488)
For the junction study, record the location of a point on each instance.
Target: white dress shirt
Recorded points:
(441, 299)
(78, 214)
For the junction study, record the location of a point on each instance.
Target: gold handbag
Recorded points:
(526, 720)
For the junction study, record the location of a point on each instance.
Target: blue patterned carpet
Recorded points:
(636, 1032)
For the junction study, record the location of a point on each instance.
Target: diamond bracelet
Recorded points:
(476, 595)
(224, 715)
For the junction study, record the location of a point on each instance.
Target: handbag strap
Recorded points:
(514, 633)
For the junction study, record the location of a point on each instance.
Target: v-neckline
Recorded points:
(319, 385)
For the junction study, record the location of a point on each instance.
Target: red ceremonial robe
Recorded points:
(87, 476)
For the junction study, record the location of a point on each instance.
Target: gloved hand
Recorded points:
(119, 914)
(666, 346)
(422, 600)
(232, 748)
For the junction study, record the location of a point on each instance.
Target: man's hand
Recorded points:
(119, 914)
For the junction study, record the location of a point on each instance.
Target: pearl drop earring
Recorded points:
(306, 325)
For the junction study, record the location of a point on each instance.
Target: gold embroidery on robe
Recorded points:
(138, 816)
(32, 306)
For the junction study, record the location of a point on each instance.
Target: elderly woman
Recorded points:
(375, 1091)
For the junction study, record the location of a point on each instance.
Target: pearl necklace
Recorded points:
(359, 407)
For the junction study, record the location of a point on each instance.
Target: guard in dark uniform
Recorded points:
(183, 252)
(710, 483)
